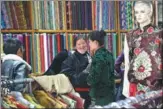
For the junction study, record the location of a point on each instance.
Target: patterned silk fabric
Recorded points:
(145, 51)
(125, 9)
(104, 17)
(4, 17)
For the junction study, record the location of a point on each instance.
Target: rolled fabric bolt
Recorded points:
(19, 97)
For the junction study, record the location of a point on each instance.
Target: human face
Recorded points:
(142, 12)
(81, 46)
(93, 45)
(20, 52)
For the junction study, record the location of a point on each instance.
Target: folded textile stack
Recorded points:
(148, 100)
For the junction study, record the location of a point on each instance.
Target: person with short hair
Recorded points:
(13, 66)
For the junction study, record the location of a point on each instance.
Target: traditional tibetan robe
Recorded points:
(145, 58)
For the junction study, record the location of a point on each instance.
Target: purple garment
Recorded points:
(118, 62)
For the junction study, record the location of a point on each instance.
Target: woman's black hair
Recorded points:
(12, 45)
(97, 36)
(76, 38)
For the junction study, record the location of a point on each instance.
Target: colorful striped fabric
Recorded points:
(42, 48)
(53, 15)
(13, 15)
(63, 15)
(5, 17)
(73, 15)
(1, 40)
(9, 14)
(58, 44)
(24, 38)
(126, 15)
(22, 24)
(105, 15)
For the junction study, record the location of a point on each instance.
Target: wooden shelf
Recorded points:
(69, 31)
(124, 31)
(16, 31)
(62, 31)
(51, 31)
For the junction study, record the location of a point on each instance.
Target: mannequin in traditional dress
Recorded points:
(143, 50)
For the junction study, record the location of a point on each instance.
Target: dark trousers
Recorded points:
(85, 95)
(119, 95)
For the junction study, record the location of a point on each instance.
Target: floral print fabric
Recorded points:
(145, 51)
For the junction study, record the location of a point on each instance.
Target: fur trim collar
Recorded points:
(15, 57)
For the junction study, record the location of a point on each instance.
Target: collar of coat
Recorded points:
(88, 56)
(15, 57)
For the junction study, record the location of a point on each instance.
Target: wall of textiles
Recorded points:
(126, 15)
(53, 23)
(104, 15)
(59, 15)
(15, 15)
(46, 46)
(48, 15)
(26, 39)
(65, 15)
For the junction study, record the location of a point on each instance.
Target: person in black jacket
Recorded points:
(56, 64)
(13, 66)
(76, 68)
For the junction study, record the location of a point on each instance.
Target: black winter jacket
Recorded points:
(56, 64)
(75, 68)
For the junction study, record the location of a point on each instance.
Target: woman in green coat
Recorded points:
(101, 76)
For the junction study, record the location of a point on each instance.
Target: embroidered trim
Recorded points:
(142, 66)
